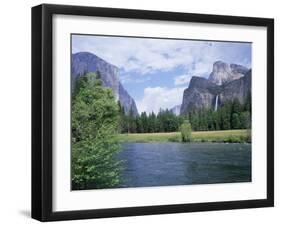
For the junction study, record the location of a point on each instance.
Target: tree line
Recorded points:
(164, 121)
(232, 115)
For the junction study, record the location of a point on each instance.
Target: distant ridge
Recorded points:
(176, 109)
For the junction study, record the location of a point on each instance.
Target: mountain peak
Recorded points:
(88, 57)
(219, 63)
(224, 72)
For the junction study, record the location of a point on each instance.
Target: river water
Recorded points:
(171, 163)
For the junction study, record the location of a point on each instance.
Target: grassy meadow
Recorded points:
(226, 136)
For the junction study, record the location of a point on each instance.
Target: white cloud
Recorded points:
(156, 98)
(182, 80)
(128, 79)
(146, 56)
(202, 68)
(140, 54)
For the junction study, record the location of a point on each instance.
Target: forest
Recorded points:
(232, 115)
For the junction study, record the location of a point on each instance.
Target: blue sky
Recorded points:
(156, 71)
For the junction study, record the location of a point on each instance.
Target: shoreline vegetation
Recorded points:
(218, 136)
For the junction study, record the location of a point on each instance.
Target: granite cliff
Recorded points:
(226, 82)
(84, 62)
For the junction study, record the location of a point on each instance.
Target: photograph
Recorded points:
(144, 112)
(156, 111)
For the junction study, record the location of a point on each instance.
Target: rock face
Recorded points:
(126, 101)
(223, 72)
(84, 62)
(239, 88)
(200, 94)
(226, 82)
(176, 109)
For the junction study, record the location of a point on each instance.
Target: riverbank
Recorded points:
(221, 136)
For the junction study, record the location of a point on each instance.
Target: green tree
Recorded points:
(152, 123)
(139, 128)
(232, 115)
(235, 121)
(132, 127)
(210, 119)
(248, 103)
(217, 119)
(98, 75)
(226, 116)
(122, 118)
(144, 123)
(236, 106)
(95, 117)
(194, 119)
(186, 130)
(245, 120)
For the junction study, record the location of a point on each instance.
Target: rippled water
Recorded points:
(163, 164)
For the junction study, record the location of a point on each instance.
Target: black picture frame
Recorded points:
(42, 107)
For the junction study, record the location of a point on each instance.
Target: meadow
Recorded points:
(220, 136)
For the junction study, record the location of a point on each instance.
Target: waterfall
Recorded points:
(216, 103)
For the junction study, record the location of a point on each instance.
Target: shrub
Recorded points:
(186, 130)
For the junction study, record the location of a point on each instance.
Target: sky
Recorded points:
(155, 72)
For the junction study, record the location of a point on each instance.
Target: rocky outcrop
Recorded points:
(223, 72)
(84, 62)
(126, 101)
(239, 89)
(226, 82)
(200, 94)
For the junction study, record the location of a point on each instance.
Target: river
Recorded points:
(171, 163)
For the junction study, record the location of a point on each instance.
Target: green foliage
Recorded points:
(186, 130)
(233, 139)
(245, 120)
(232, 115)
(235, 121)
(248, 103)
(95, 120)
(164, 121)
